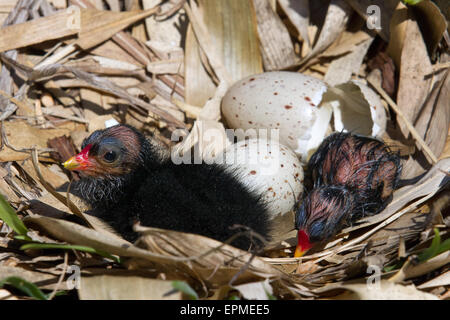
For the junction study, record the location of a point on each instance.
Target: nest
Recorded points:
(167, 68)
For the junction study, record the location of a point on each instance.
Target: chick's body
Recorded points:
(196, 198)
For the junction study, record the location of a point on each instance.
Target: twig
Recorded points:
(5, 142)
(54, 193)
(421, 143)
(61, 277)
(164, 15)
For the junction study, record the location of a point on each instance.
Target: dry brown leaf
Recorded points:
(335, 22)
(23, 136)
(168, 30)
(52, 27)
(386, 10)
(446, 152)
(199, 84)
(384, 290)
(440, 280)
(415, 66)
(98, 25)
(116, 287)
(260, 290)
(44, 280)
(342, 69)
(276, 46)
(210, 259)
(298, 13)
(233, 39)
(433, 120)
(434, 24)
(410, 270)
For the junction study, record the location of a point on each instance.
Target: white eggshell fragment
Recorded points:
(288, 101)
(267, 168)
(376, 109)
(357, 109)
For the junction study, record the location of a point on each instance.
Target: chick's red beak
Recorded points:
(80, 161)
(303, 244)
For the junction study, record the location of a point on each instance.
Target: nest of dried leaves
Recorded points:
(165, 65)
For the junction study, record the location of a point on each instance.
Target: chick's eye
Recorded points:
(110, 156)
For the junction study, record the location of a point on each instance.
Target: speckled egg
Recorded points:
(268, 168)
(288, 101)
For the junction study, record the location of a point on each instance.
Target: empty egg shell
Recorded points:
(366, 117)
(376, 109)
(268, 168)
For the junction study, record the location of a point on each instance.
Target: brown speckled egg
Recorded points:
(267, 168)
(288, 101)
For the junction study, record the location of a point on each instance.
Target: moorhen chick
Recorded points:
(354, 176)
(125, 180)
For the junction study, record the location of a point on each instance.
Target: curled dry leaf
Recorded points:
(210, 259)
(298, 13)
(335, 21)
(384, 290)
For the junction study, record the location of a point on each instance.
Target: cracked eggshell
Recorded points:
(357, 109)
(268, 168)
(377, 110)
(288, 101)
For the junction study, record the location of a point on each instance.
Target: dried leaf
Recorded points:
(440, 280)
(233, 40)
(22, 136)
(335, 22)
(386, 9)
(415, 65)
(116, 287)
(56, 26)
(434, 25)
(384, 290)
(261, 290)
(98, 25)
(276, 46)
(342, 69)
(43, 280)
(298, 13)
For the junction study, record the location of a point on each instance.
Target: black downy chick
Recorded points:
(125, 180)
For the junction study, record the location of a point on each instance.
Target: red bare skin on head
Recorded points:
(91, 161)
(83, 156)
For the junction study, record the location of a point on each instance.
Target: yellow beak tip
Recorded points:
(71, 164)
(299, 252)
